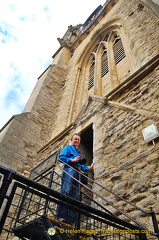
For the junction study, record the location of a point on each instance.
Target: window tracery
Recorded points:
(108, 53)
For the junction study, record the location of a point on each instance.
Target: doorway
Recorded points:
(86, 149)
(86, 145)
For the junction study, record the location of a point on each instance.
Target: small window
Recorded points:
(91, 74)
(118, 49)
(104, 62)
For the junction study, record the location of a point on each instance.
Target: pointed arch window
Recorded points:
(108, 52)
(104, 62)
(118, 49)
(91, 73)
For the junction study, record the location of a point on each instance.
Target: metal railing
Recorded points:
(118, 211)
(29, 209)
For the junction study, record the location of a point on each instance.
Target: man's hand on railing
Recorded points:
(91, 167)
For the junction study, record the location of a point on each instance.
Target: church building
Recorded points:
(103, 83)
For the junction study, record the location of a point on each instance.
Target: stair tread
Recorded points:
(38, 229)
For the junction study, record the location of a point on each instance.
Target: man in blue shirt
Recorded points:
(70, 155)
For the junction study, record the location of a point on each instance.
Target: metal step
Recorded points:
(40, 228)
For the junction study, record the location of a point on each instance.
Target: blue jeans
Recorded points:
(71, 188)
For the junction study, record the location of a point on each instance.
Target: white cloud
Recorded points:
(28, 39)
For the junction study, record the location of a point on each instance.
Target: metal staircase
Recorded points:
(29, 209)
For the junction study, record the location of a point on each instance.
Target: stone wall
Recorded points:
(26, 133)
(19, 145)
(124, 163)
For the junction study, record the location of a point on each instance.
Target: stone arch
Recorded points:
(102, 38)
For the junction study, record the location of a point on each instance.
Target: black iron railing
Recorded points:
(29, 209)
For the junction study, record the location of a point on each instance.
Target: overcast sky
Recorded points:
(28, 38)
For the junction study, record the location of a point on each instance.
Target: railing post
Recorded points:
(7, 206)
(3, 191)
(155, 225)
(5, 185)
(49, 186)
(78, 215)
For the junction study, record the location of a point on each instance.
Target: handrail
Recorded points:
(10, 175)
(101, 196)
(153, 216)
(84, 192)
(56, 195)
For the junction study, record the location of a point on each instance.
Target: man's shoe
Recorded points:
(62, 220)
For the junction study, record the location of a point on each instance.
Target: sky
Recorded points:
(28, 39)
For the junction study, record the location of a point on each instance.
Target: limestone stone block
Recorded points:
(138, 197)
